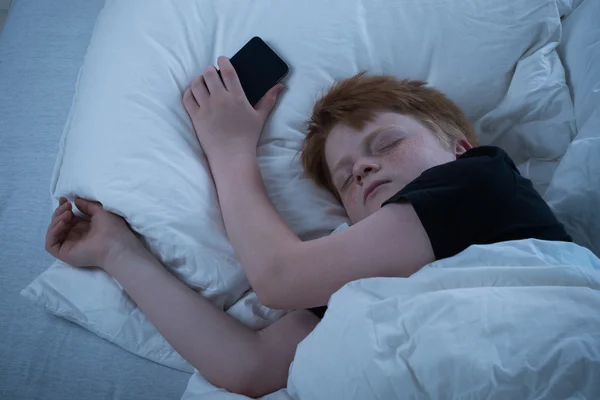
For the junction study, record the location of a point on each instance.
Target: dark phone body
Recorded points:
(259, 68)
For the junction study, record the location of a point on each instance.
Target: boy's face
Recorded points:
(370, 165)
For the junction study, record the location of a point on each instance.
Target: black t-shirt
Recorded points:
(481, 198)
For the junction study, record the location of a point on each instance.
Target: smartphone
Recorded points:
(259, 68)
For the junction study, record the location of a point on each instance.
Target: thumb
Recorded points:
(266, 104)
(88, 207)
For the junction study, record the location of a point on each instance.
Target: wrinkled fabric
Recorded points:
(574, 192)
(513, 320)
(129, 143)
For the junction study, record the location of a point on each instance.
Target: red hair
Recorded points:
(354, 101)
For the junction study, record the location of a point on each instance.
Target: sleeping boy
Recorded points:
(398, 155)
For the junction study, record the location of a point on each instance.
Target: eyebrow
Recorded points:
(367, 143)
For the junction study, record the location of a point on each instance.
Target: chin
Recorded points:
(377, 200)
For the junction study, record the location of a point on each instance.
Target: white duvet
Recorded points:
(514, 320)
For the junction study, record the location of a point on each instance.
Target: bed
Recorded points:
(41, 51)
(43, 356)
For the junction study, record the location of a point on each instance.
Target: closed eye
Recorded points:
(389, 147)
(347, 182)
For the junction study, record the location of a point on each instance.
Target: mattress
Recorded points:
(43, 356)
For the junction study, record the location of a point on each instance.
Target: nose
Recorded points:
(363, 168)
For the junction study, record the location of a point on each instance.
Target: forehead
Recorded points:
(344, 140)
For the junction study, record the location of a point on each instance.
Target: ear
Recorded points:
(461, 146)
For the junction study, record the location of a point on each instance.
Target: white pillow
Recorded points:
(129, 143)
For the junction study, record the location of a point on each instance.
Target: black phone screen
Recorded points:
(259, 68)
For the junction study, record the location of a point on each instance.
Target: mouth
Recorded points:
(372, 187)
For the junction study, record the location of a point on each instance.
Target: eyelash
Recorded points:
(389, 146)
(346, 182)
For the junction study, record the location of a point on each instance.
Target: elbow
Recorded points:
(274, 284)
(246, 388)
(242, 387)
(270, 297)
(271, 289)
(248, 378)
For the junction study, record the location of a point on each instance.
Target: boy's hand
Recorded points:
(87, 243)
(225, 122)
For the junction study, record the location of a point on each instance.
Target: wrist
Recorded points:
(224, 166)
(229, 154)
(121, 254)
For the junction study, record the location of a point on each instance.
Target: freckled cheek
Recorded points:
(403, 165)
(398, 158)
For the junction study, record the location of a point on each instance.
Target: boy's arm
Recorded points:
(290, 274)
(284, 271)
(223, 350)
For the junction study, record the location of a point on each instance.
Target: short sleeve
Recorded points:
(457, 202)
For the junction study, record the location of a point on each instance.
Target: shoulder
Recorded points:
(487, 156)
(494, 175)
(481, 165)
(481, 169)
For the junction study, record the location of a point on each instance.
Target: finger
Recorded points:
(199, 90)
(88, 207)
(213, 82)
(61, 209)
(266, 104)
(189, 102)
(230, 76)
(55, 237)
(64, 217)
(62, 201)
